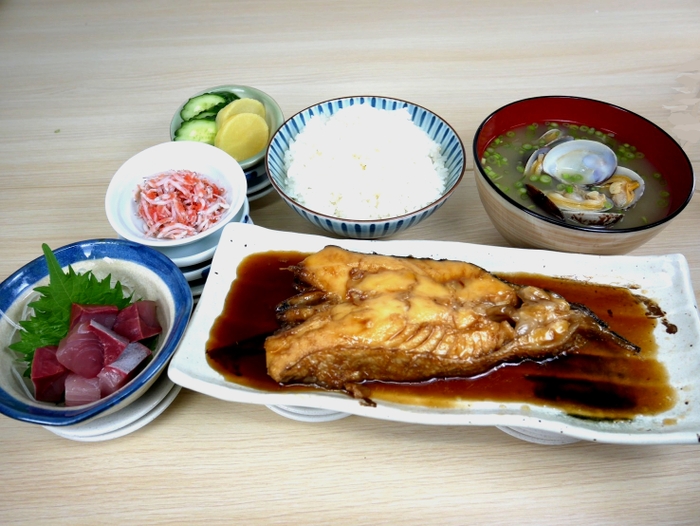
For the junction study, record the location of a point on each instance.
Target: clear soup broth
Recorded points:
(505, 158)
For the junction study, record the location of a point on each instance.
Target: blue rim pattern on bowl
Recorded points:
(433, 125)
(16, 285)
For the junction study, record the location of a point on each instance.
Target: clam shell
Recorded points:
(581, 200)
(576, 208)
(550, 135)
(533, 166)
(624, 197)
(602, 219)
(580, 162)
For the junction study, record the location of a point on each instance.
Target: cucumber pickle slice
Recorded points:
(199, 116)
(200, 103)
(200, 130)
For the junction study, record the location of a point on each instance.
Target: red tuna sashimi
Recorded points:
(81, 351)
(103, 314)
(138, 321)
(112, 343)
(48, 375)
(80, 390)
(119, 372)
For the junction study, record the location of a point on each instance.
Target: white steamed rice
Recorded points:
(364, 163)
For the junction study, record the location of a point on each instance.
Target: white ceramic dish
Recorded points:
(196, 272)
(126, 420)
(664, 279)
(307, 414)
(214, 164)
(261, 194)
(204, 249)
(260, 191)
(197, 288)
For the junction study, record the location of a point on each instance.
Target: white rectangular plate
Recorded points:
(664, 279)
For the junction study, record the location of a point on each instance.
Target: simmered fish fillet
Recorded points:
(364, 317)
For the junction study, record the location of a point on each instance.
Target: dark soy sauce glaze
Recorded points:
(596, 382)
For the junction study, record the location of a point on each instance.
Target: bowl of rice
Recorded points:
(365, 167)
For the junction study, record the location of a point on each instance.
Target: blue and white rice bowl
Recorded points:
(146, 272)
(437, 129)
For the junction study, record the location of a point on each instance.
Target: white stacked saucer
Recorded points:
(124, 421)
(307, 414)
(194, 260)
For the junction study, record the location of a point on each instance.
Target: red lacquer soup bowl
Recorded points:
(523, 224)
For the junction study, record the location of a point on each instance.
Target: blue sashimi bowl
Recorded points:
(436, 128)
(141, 270)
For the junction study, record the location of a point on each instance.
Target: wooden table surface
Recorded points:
(85, 85)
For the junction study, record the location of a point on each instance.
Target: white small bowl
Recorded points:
(213, 163)
(194, 253)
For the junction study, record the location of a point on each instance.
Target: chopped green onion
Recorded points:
(572, 178)
(545, 179)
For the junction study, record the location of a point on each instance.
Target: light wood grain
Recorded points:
(85, 85)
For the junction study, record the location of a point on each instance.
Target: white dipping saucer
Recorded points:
(127, 420)
(537, 436)
(307, 414)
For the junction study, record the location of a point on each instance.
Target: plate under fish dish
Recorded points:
(598, 348)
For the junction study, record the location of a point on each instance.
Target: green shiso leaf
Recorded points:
(52, 309)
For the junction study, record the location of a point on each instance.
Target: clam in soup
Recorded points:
(578, 175)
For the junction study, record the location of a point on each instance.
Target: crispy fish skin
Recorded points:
(364, 317)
